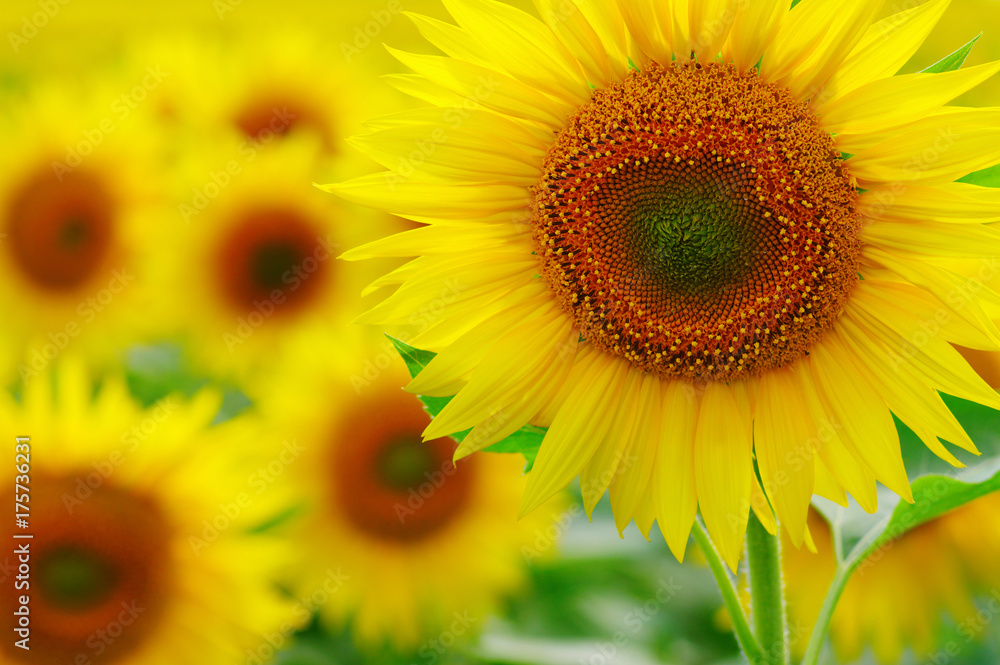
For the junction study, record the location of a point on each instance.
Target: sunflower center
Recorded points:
(60, 229)
(277, 115)
(272, 256)
(389, 483)
(101, 567)
(698, 222)
(73, 578)
(404, 464)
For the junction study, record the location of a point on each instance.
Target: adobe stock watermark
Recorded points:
(33, 24)
(230, 513)
(121, 108)
(131, 439)
(303, 610)
(435, 479)
(433, 649)
(39, 357)
(970, 629)
(420, 320)
(367, 34)
(294, 278)
(217, 181)
(634, 621)
(454, 117)
(930, 328)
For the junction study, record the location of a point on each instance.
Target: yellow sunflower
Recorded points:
(266, 86)
(426, 548)
(674, 224)
(954, 557)
(78, 192)
(139, 518)
(247, 263)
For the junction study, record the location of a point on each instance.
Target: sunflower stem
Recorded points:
(767, 593)
(748, 643)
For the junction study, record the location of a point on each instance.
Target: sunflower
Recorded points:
(881, 608)
(391, 513)
(247, 264)
(77, 187)
(265, 86)
(138, 520)
(700, 234)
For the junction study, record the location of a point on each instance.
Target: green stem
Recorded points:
(729, 596)
(767, 593)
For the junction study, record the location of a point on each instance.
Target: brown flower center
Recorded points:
(61, 228)
(100, 572)
(698, 222)
(388, 482)
(273, 261)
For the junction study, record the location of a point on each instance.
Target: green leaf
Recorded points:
(525, 441)
(986, 178)
(416, 359)
(933, 496)
(954, 61)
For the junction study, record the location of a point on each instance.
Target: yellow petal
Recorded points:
(722, 468)
(859, 412)
(486, 86)
(578, 428)
(628, 489)
(942, 147)
(571, 26)
(886, 47)
(709, 22)
(814, 40)
(673, 480)
(519, 44)
(847, 467)
(893, 102)
(949, 202)
(785, 441)
(754, 28)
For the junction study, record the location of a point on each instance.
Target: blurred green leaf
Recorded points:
(524, 441)
(953, 61)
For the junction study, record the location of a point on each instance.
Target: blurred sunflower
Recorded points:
(954, 557)
(77, 197)
(423, 543)
(266, 86)
(660, 252)
(247, 264)
(139, 518)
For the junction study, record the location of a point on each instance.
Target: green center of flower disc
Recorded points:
(74, 578)
(690, 238)
(698, 222)
(405, 464)
(272, 260)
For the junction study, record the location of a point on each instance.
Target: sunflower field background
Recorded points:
(223, 466)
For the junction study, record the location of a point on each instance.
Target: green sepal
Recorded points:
(525, 441)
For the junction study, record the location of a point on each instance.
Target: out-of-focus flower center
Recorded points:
(274, 116)
(272, 256)
(100, 571)
(698, 222)
(61, 228)
(387, 481)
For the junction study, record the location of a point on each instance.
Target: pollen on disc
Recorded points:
(698, 222)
